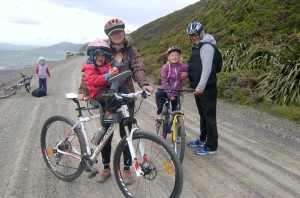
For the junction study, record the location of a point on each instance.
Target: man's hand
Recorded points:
(183, 75)
(198, 91)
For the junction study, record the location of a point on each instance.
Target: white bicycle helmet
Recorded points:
(172, 49)
(194, 28)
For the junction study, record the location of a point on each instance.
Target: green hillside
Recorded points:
(259, 40)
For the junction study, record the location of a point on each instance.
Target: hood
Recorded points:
(87, 66)
(207, 38)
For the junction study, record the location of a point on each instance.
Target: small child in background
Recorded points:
(172, 74)
(42, 71)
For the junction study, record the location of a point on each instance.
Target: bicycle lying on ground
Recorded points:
(11, 89)
(173, 122)
(66, 150)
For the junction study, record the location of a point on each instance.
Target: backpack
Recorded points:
(218, 60)
(38, 93)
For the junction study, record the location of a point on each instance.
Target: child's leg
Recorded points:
(40, 83)
(160, 99)
(175, 103)
(45, 84)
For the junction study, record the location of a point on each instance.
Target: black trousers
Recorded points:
(161, 98)
(207, 108)
(106, 152)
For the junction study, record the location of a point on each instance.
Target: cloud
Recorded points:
(135, 12)
(25, 21)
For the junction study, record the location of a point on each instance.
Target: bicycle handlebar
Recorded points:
(170, 90)
(143, 93)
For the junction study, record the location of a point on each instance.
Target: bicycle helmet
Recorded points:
(112, 25)
(194, 28)
(98, 45)
(42, 58)
(172, 49)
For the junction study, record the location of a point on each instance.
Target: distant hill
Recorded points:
(8, 46)
(64, 46)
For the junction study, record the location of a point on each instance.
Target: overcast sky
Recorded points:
(47, 22)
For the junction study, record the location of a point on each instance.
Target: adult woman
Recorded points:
(121, 49)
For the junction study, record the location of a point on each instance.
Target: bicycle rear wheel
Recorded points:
(163, 176)
(62, 148)
(179, 144)
(7, 91)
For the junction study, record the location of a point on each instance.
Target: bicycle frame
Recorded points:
(103, 140)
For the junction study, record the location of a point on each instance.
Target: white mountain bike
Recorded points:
(66, 150)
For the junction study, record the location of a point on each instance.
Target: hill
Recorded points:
(8, 46)
(64, 46)
(259, 40)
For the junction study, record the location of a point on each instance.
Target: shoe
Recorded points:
(196, 143)
(104, 175)
(127, 177)
(108, 115)
(203, 151)
(160, 116)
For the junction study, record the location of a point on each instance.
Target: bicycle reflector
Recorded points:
(168, 168)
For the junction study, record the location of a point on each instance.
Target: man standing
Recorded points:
(203, 78)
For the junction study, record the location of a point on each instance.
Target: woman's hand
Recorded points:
(149, 89)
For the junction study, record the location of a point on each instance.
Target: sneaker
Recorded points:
(203, 151)
(127, 177)
(104, 175)
(160, 116)
(108, 115)
(196, 143)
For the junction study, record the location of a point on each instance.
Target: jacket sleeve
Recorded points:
(37, 70)
(137, 68)
(165, 83)
(48, 72)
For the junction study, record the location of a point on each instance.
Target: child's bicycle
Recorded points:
(173, 123)
(11, 89)
(67, 153)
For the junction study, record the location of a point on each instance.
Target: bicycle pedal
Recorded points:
(93, 174)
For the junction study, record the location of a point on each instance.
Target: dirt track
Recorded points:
(258, 156)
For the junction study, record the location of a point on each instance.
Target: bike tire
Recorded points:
(163, 171)
(63, 166)
(180, 142)
(7, 91)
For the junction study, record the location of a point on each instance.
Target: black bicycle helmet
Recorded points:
(194, 28)
(172, 49)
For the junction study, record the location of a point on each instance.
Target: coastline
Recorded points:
(8, 77)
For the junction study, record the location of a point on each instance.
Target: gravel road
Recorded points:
(258, 155)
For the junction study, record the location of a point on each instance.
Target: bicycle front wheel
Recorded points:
(179, 143)
(62, 147)
(7, 91)
(162, 170)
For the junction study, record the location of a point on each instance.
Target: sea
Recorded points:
(20, 59)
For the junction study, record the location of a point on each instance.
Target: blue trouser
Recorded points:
(43, 84)
(207, 105)
(161, 98)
